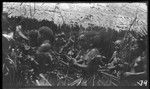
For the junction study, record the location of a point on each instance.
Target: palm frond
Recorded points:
(76, 82)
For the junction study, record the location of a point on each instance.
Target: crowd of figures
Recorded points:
(43, 54)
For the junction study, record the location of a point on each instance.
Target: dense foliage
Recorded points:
(70, 44)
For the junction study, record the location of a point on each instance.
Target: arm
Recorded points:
(18, 29)
(113, 56)
(83, 65)
(134, 74)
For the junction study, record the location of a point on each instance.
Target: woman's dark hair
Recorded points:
(46, 34)
(33, 38)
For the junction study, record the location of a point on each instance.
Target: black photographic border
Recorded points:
(78, 87)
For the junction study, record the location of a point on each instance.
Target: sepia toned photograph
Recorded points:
(74, 44)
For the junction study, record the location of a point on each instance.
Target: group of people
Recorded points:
(42, 41)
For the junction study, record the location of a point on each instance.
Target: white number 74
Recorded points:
(142, 82)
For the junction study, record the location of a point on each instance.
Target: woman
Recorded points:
(89, 63)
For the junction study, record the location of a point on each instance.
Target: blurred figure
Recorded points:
(7, 36)
(89, 63)
(38, 37)
(5, 23)
(42, 39)
(8, 63)
(33, 38)
(45, 33)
